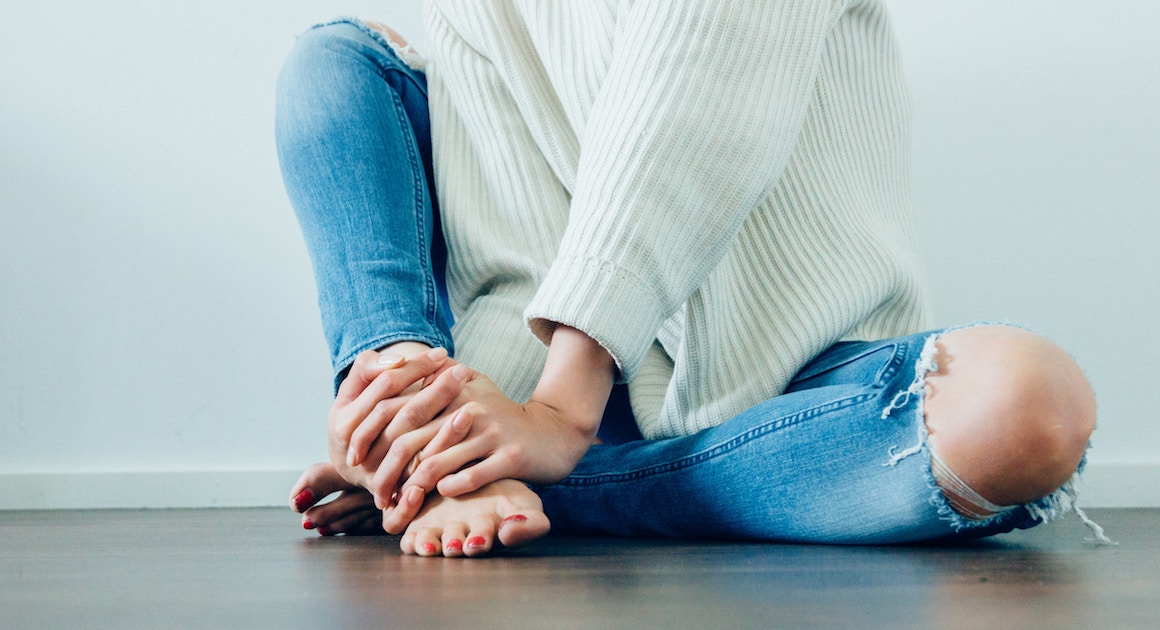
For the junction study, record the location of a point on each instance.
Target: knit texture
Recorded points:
(714, 191)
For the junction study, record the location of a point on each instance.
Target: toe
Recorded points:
(427, 542)
(454, 536)
(521, 527)
(480, 537)
(346, 514)
(360, 523)
(316, 483)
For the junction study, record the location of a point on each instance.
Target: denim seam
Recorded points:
(892, 366)
(430, 295)
(718, 450)
(884, 374)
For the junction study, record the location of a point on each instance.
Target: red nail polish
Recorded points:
(454, 545)
(307, 525)
(428, 548)
(304, 499)
(514, 518)
(476, 541)
(325, 531)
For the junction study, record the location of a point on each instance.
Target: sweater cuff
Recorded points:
(610, 304)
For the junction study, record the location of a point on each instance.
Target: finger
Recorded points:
(398, 458)
(370, 464)
(404, 413)
(396, 519)
(388, 384)
(451, 433)
(429, 402)
(366, 367)
(431, 470)
(472, 478)
(447, 366)
(371, 427)
(316, 483)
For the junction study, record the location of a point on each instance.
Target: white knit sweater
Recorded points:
(714, 191)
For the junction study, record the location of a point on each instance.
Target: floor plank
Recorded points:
(254, 568)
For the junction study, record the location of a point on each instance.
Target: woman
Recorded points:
(685, 226)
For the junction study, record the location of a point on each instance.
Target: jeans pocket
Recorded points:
(847, 362)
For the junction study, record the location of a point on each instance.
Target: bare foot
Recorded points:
(353, 512)
(504, 512)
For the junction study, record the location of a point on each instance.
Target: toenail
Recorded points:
(304, 499)
(455, 545)
(325, 531)
(307, 525)
(428, 548)
(514, 518)
(476, 541)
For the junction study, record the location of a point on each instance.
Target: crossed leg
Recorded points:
(1008, 414)
(1008, 411)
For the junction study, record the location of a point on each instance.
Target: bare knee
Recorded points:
(388, 32)
(1008, 411)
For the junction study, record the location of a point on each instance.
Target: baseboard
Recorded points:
(1103, 485)
(53, 491)
(1120, 485)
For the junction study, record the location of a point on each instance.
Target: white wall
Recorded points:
(159, 341)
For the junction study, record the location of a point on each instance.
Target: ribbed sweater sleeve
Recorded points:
(698, 114)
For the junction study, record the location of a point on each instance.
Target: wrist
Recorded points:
(576, 380)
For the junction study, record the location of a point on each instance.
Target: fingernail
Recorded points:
(415, 495)
(304, 499)
(325, 531)
(436, 354)
(454, 545)
(428, 548)
(514, 518)
(476, 541)
(460, 372)
(350, 454)
(461, 421)
(391, 360)
(307, 525)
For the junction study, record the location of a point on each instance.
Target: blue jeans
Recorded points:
(840, 457)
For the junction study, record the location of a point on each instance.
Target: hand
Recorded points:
(488, 438)
(380, 388)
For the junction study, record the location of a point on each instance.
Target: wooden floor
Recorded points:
(254, 568)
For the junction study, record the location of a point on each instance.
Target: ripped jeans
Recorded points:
(840, 457)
